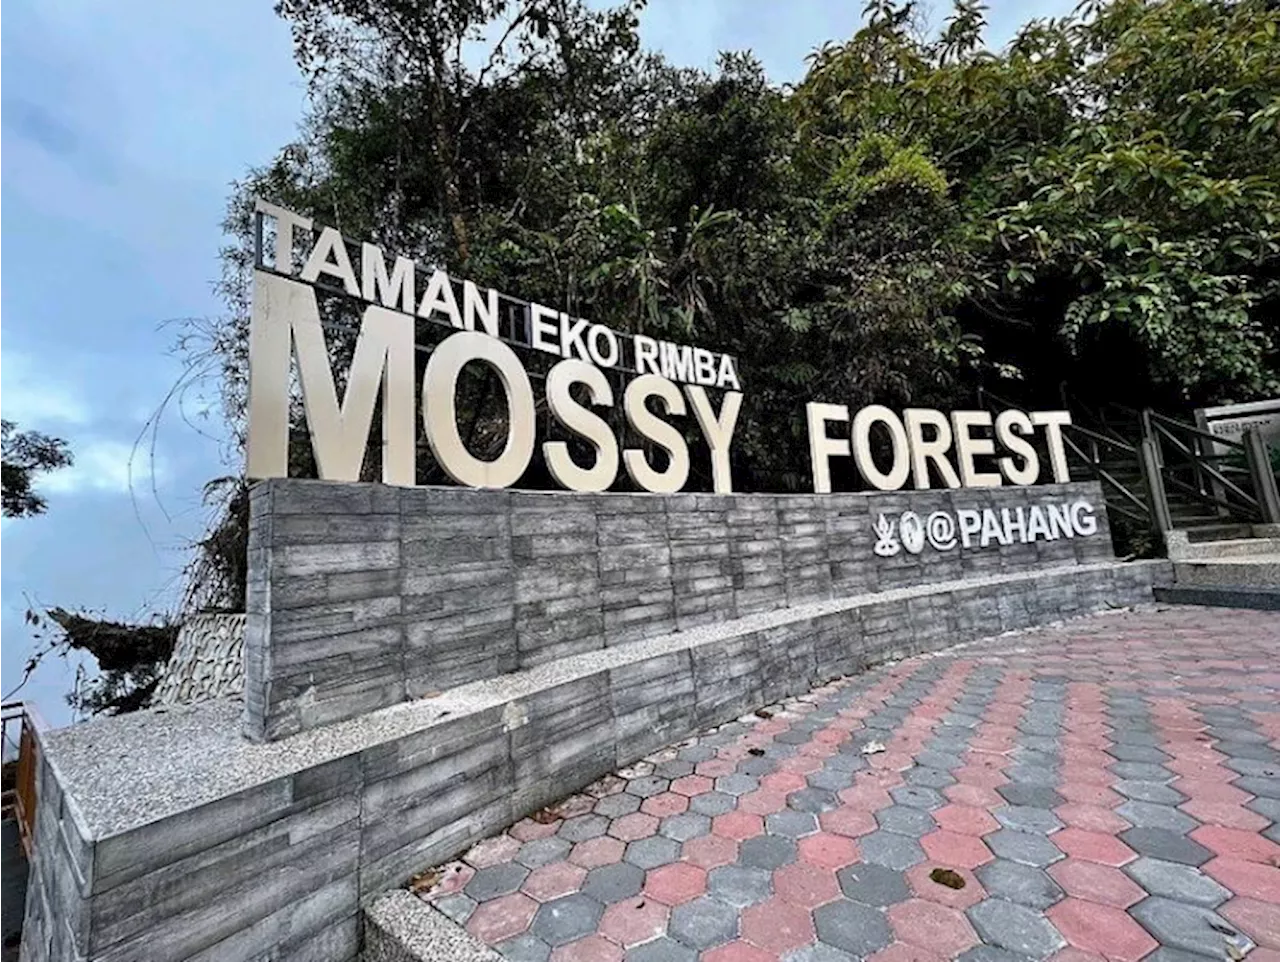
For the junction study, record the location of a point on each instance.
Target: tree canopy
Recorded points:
(27, 455)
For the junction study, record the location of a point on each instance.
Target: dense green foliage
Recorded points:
(1097, 203)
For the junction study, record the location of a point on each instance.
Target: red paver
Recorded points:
(827, 851)
(739, 826)
(955, 850)
(1258, 920)
(851, 822)
(965, 820)
(595, 852)
(932, 927)
(1246, 878)
(634, 921)
(1091, 818)
(493, 851)
(1238, 843)
(501, 918)
(777, 926)
(1093, 882)
(635, 826)
(691, 785)
(902, 952)
(805, 885)
(675, 883)
(710, 851)
(593, 948)
(1102, 929)
(1227, 814)
(554, 880)
(1093, 846)
(738, 952)
(668, 803)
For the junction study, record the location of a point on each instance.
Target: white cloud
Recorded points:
(34, 399)
(102, 464)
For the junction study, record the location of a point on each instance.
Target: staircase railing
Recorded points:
(21, 762)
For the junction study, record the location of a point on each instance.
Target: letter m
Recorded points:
(286, 324)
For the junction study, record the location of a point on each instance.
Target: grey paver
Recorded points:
(851, 927)
(989, 953)
(673, 768)
(456, 906)
(791, 824)
(1131, 752)
(1265, 787)
(1141, 771)
(613, 883)
(1150, 815)
(813, 800)
(1021, 818)
(1033, 796)
(1191, 928)
(1162, 844)
(653, 851)
(1176, 881)
(489, 883)
(685, 826)
(661, 949)
(543, 851)
(566, 919)
(613, 806)
(759, 767)
(928, 777)
(1253, 767)
(819, 952)
(830, 779)
(648, 786)
(1149, 791)
(1025, 847)
(1024, 884)
(873, 884)
(905, 820)
(737, 784)
(524, 948)
(917, 796)
(766, 852)
(1014, 928)
(891, 850)
(739, 885)
(712, 803)
(703, 923)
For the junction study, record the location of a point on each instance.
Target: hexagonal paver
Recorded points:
(647, 786)
(777, 926)
(502, 918)
(1258, 920)
(805, 885)
(965, 819)
(492, 851)
(637, 825)
(1094, 882)
(917, 796)
(1168, 846)
(891, 850)
(615, 806)
(767, 852)
(647, 853)
(595, 852)
(710, 851)
(935, 928)
(956, 851)
(792, 824)
(553, 881)
(703, 923)
(852, 927)
(613, 883)
(662, 949)
(524, 948)
(873, 885)
(1024, 884)
(665, 804)
(1176, 881)
(1237, 843)
(1151, 815)
(737, 784)
(675, 883)
(847, 821)
(543, 851)
(1032, 796)
(712, 803)
(737, 825)
(585, 827)
(1149, 791)
(566, 919)
(1025, 847)
(906, 820)
(503, 879)
(1021, 818)
(739, 886)
(924, 885)
(1095, 846)
(827, 851)
(1100, 929)
(1014, 928)
(1191, 928)
(634, 921)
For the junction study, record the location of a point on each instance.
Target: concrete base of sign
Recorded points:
(165, 835)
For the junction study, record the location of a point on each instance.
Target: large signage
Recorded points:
(665, 381)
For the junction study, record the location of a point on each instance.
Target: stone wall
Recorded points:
(362, 596)
(166, 836)
(207, 661)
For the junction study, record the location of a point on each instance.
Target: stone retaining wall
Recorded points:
(362, 596)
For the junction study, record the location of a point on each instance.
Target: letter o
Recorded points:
(860, 432)
(440, 410)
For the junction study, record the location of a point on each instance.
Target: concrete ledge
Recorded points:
(400, 927)
(165, 835)
(1220, 596)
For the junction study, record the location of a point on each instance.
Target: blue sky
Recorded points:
(123, 126)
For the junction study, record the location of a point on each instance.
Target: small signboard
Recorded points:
(1231, 420)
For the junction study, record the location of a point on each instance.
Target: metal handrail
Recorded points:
(1104, 438)
(1198, 463)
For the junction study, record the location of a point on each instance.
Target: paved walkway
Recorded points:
(1109, 789)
